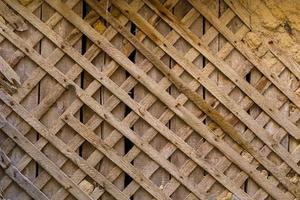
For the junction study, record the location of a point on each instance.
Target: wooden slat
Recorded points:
(18, 177)
(13, 19)
(133, 173)
(149, 133)
(24, 67)
(241, 11)
(142, 161)
(9, 73)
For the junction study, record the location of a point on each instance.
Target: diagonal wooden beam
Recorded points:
(147, 148)
(149, 134)
(128, 68)
(17, 176)
(240, 11)
(38, 156)
(288, 61)
(9, 73)
(74, 157)
(13, 19)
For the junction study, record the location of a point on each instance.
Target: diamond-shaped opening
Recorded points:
(160, 177)
(178, 126)
(86, 115)
(51, 188)
(181, 192)
(159, 142)
(214, 157)
(45, 89)
(14, 191)
(194, 140)
(141, 193)
(198, 61)
(216, 190)
(106, 167)
(48, 12)
(232, 171)
(157, 109)
(85, 150)
(48, 50)
(249, 186)
(254, 111)
(7, 49)
(178, 158)
(66, 134)
(65, 64)
(275, 159)
(182, 46)
(53, 154)
(161, 26)
(235, 24)
(146, 12)
(182, 8)
(196, 173)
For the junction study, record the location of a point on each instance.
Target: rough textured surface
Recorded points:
(275, 19)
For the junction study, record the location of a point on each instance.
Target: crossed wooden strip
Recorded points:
(17, 176)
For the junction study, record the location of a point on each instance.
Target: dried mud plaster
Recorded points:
(275, 19)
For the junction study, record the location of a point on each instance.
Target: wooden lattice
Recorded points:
(144, 99)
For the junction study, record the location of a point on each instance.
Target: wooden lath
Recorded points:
(126, 110)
